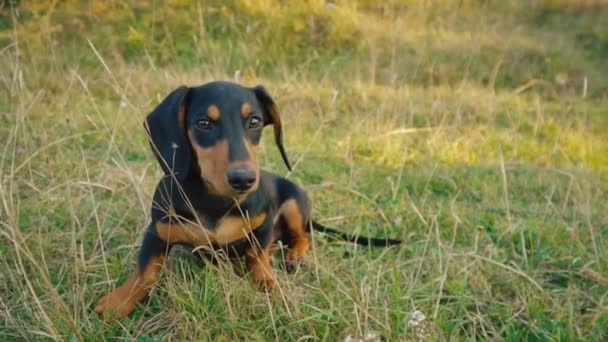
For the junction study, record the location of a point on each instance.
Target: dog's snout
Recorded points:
(241, 179)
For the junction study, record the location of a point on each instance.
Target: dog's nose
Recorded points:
(241, 179)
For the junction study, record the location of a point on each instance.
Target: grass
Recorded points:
(475, 131)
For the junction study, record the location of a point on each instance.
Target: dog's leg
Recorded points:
(258, 263)
(123, 299)
(293, 221)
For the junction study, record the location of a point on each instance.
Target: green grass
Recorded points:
(477, 131)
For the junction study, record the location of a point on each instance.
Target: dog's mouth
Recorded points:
(253, 188)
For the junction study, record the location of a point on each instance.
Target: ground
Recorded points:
(477, 131)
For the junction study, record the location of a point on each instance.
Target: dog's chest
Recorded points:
(205, 232)
(233, 228)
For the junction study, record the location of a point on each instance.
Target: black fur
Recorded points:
(167, 139)
(200, 136)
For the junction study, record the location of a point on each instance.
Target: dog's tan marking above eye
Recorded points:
(246, 110)
(213, 113)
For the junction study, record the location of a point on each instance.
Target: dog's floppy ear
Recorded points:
(272, 116)
(166, 130)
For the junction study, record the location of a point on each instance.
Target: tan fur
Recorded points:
(294, 220)
(214, 165)
(258, 263)
(276, 119)
(213, 113)
(252, 150)
(181, 119)
(122, 300)
(229, 229)
(246, 110)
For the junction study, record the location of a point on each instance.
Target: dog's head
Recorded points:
(214, 130)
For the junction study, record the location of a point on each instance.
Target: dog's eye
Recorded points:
(255, 122)
(204, 124)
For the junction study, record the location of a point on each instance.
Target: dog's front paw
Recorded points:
(293, 263)
(265, 279)
(116, 304)
(297, 255)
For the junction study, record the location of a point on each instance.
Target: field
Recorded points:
(477, 131)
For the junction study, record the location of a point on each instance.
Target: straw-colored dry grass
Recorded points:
(474, 130)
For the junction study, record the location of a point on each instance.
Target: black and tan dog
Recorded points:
(214, 194)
